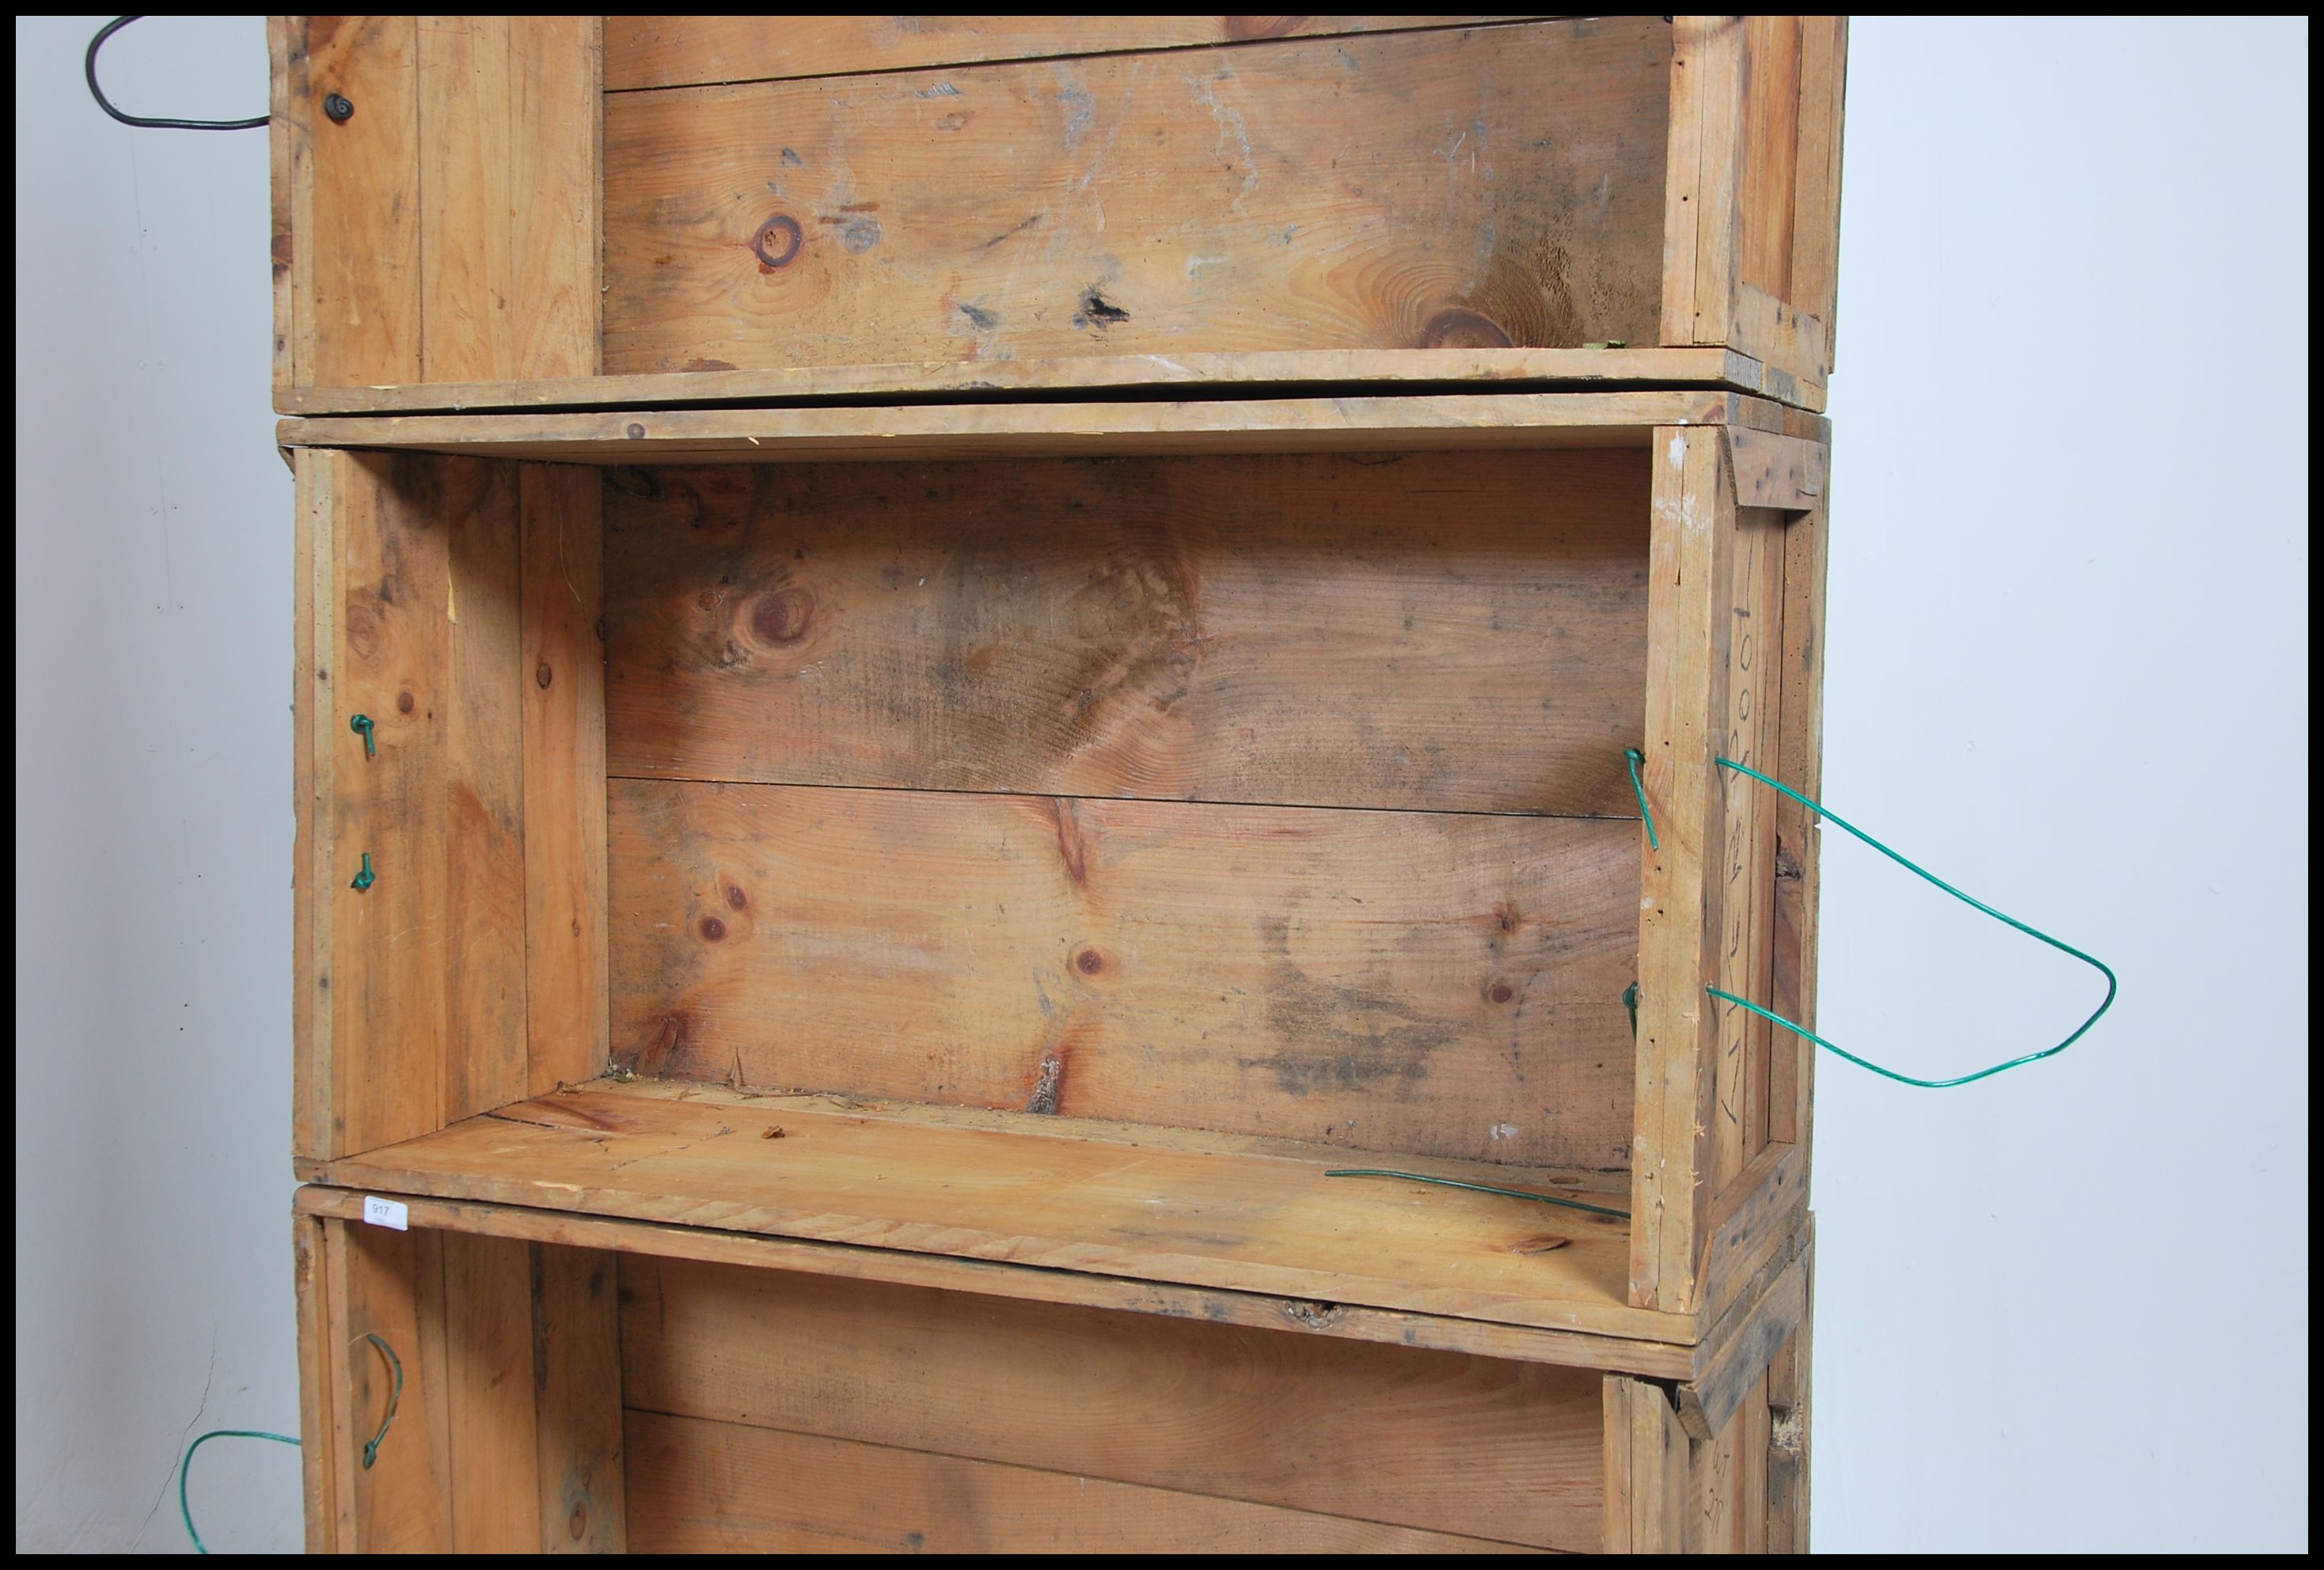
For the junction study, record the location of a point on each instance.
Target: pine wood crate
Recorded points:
(587, 1385)
(644, 211)
(1021, 849)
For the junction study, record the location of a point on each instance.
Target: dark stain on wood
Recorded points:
(1049, 1082)
(1099, 312)
(1352, 1036)
(776, 243)
(780, 619)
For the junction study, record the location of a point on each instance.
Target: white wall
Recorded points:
(2068, 656)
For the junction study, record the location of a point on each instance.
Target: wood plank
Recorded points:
(319, 1440)
(1428, 631)
(1427, 1439)
(556, 184)
(1753, 1218)
(1736, 1373)
(287, 173)
(393, 1283)
(1770, 153)
(466, 73)
(1777, 334)
(1430, 983)
(362, 242)
(1782, 471)
(1690, 630)
(1646, 1457)
(483, 797)
(561, 675)
(575, 1339)
(702, 1487)
(1788, 1390)
(1452, 423)
(314, 654)
(1718, 1493)
(389, 1041)
(1798, 833)
(1060, 1198)
(494, 1464)
(1490, 187)
(986, 1278)
(1705, 128)
(1198, 375)
(667, 51)
(1746, 856)
(1815, 224)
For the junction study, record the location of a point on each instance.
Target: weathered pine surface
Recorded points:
(1467, 1445)
(1498, 185)
(1423, 630)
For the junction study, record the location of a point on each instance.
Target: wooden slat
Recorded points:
(390, 944)
(484, 798)
(466, 129)
(1689, 638)
(361, 244)
(1705, 124)
(1735, 1376)
(1200, 375)
(494, 1463)
(576, 1329)
(314, 796)
(555, 186)
(1489, 186)
(1452, 423)
(1754, 1218)
(986, 1278)
(561, 673)
(1057, 1196)
(702, 1487)
(1798, 836)
(392, 1287)
(1646, 1459)
(1718, 1497)
(319, 1439)
(1430, 631)
(666, 51)
(1815, 224)
(1777, 334)
(1431, 983)
(1782, 471)
(1788, 1389)
(286, 159)
(1428, 1439)
(1770, 155)
(1746, 867)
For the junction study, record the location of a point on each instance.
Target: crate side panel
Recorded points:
(1493, 187)
(1433, 983)
(1444, 1441)
(1418, 630)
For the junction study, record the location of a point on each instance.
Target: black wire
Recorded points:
(107, 31)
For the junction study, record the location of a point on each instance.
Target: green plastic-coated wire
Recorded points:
(1477, 1188)
(185, 1509)
(2113, 985)
(371, 1450)
(1634, 758)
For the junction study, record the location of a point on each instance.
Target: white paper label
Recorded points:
(392, 1213)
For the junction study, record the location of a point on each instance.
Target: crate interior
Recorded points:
(1062, 861)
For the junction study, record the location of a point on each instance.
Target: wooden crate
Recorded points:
(644, 211)
(579, 1384)
(1019, 850)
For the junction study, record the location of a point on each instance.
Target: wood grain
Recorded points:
(1771, 149)
(1423, 631)
(560, 673)
(576, 1386)
(1646, 1471)
(665, 51)
(1432, 983)
(494, 1475)
(1057, 1196)
(1490, 187)
(1198, 375)
(357, 249)
(1430, 1439)
(1815, 223)
(987, 1278)
(1450, 423)
(1690, 634)
(703, 1487)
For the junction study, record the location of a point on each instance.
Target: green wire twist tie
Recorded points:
(362, 726)
(363, 879)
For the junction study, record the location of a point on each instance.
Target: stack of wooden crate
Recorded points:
(941, 660)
